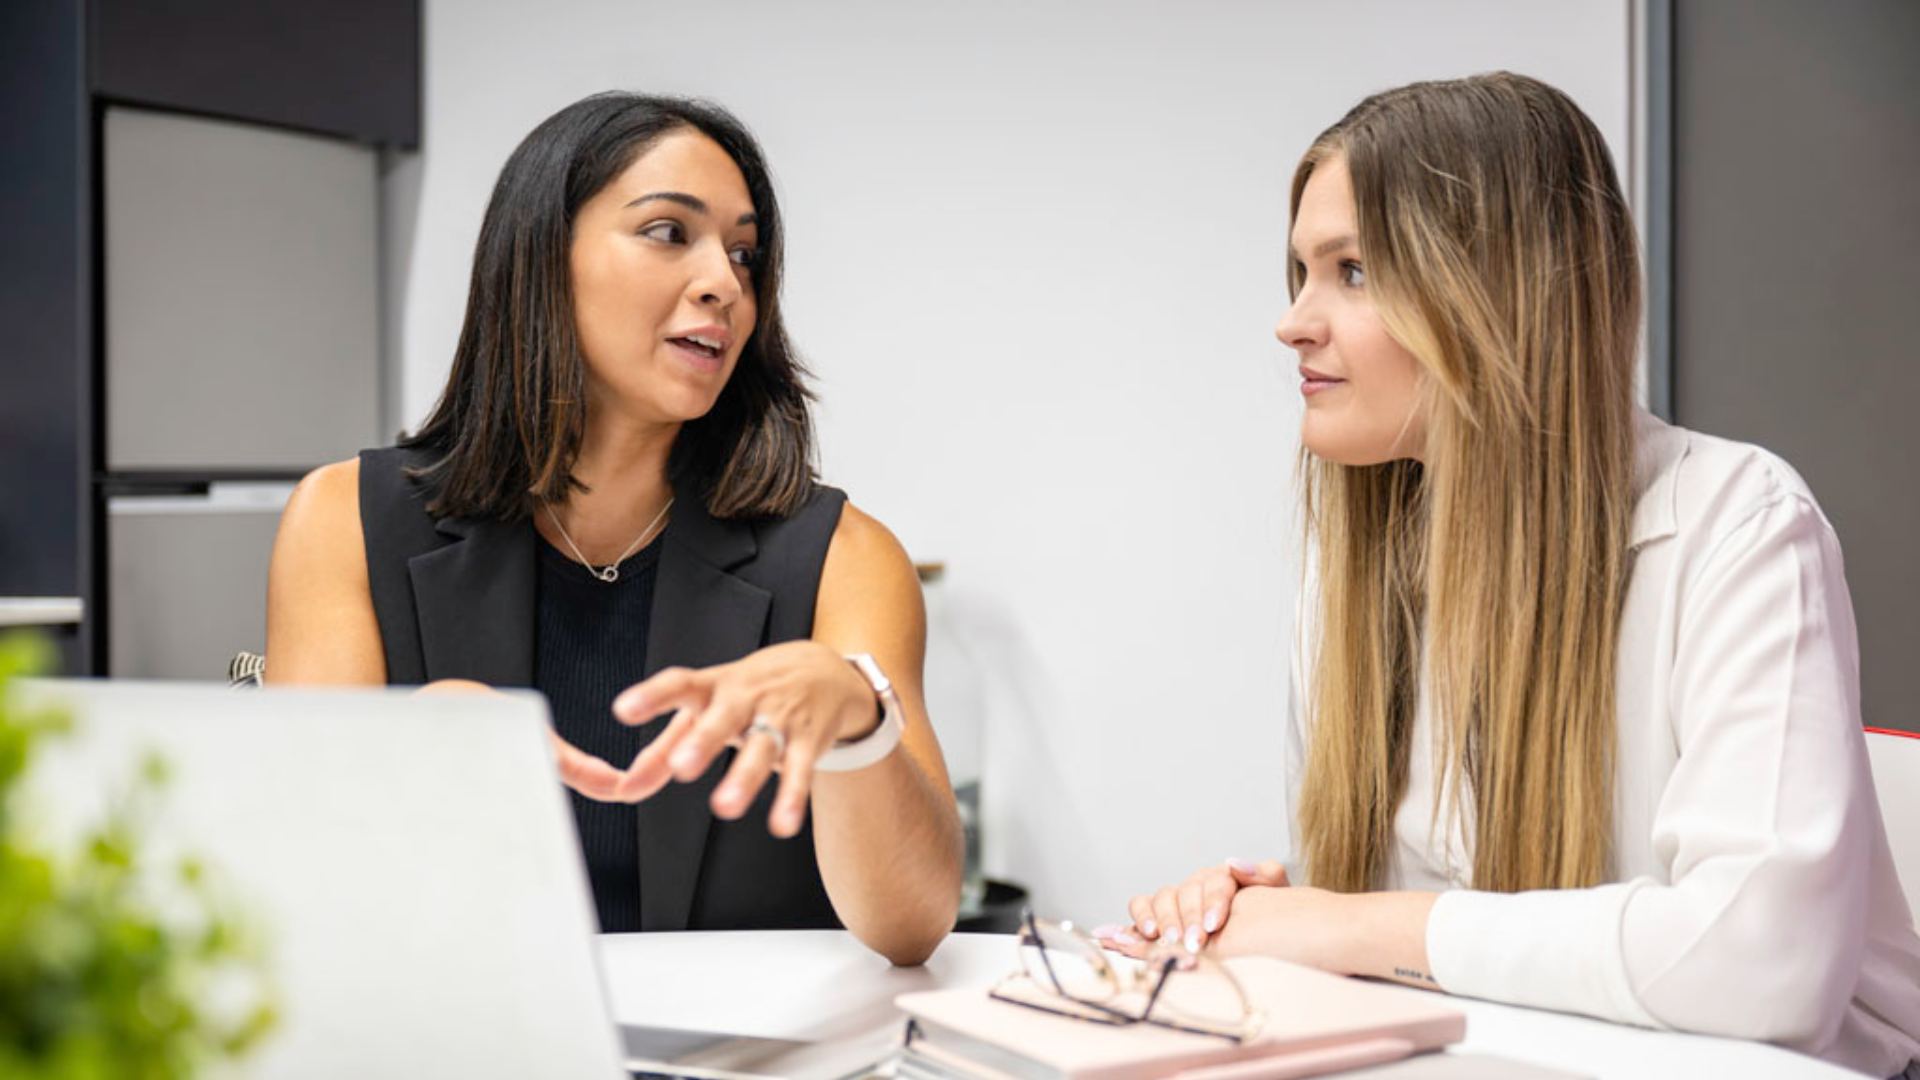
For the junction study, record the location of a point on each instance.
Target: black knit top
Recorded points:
(590, 643)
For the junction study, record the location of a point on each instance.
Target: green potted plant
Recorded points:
(111, 965)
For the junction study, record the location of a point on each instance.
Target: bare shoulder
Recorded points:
(320, 526)
(326, 498)
(866, 565)
(861, 545)
(863, 534)
(320, 621)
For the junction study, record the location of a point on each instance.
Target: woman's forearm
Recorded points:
(889, 845)
(1387, 937)
(1382, 935)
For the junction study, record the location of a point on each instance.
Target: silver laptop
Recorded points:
(413, 861)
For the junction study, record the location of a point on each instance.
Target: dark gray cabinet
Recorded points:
(344, 67)
(45, 323)
(189, 297)
(1796, 263)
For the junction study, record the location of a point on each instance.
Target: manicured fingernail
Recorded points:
(1126, 939)
(1212, 921)
(1150, 928)
(1106, 930)
(1170, 933)
(1193, 939)
(1243, 866)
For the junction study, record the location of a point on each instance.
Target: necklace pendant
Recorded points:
(611, 572)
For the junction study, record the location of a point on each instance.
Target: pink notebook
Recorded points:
(1314, 1024)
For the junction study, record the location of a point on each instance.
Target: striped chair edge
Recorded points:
(246, 669)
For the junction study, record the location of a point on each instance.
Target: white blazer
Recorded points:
(1755, 895)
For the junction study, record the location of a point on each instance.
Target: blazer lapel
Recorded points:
(475, 602)
(702, 615)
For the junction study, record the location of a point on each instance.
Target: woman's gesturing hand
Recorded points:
(782, 706)
(1190, 913)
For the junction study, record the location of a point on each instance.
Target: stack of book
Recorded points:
(1309, 1023)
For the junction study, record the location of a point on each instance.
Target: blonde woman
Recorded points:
(1577, 716)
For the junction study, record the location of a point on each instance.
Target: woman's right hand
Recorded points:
(1190, 913)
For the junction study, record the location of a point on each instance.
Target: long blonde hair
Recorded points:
(1500, 253)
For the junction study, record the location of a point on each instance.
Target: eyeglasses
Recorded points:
(1067, 973)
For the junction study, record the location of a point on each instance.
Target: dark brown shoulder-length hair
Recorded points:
(507, 428)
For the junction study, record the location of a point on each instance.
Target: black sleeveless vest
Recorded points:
(455, 597)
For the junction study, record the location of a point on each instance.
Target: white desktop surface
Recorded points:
(819, 984)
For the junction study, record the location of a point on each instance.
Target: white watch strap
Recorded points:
(875, 744)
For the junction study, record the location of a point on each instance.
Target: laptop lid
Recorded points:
(412, 860)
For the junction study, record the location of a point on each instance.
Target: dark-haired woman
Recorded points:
(614, 503)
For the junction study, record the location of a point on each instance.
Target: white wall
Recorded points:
(1035, 260)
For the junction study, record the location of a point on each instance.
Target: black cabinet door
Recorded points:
(343, 67)
(44, 329)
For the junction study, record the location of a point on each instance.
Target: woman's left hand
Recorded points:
(783, 706)
(1297, 923)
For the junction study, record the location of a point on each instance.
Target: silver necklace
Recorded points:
(611, 571)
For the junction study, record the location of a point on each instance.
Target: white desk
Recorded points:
(825, 985)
